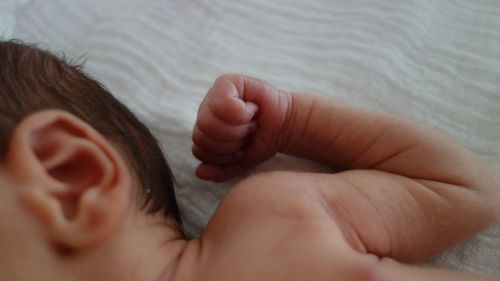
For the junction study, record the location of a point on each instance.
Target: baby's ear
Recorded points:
(69, 177)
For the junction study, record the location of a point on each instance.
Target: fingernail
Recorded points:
(252, 108)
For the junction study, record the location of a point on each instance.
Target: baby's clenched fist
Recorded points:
(239, 125)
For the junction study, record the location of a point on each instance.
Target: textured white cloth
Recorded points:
(434, 61)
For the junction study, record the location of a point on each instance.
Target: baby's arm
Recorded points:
(390, 270)
(349, 137)
(406, 192)
(418, 189)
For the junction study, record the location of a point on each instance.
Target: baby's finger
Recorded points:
(218, 173)
(218, 130)
(216, 159)
(226, 103)
(219, 147)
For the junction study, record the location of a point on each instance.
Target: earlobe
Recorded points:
(70, 178)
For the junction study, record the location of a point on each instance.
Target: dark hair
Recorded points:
(32, 79)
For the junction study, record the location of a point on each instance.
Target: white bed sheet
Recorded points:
(434, 61)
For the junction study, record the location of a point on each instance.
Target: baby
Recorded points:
(85, 193)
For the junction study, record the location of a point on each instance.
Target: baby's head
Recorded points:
(80, 175)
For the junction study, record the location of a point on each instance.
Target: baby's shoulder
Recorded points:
(272, 218)
(274, 195)
(269, 209)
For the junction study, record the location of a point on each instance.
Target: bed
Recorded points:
(437, 62)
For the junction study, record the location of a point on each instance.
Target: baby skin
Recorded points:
(403, 192)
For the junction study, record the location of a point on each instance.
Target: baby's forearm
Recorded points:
(349, 137)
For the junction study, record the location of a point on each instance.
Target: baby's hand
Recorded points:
(239, 125)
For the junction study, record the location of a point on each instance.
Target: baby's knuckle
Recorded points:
(229, 76)
(196, 136)
(194, 150)
(199, 154)
(204, 126)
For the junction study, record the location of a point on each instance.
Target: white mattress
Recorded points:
(434, 61)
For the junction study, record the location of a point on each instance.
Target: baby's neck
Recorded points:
(145, 249)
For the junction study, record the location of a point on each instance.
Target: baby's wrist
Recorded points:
(299, 108)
